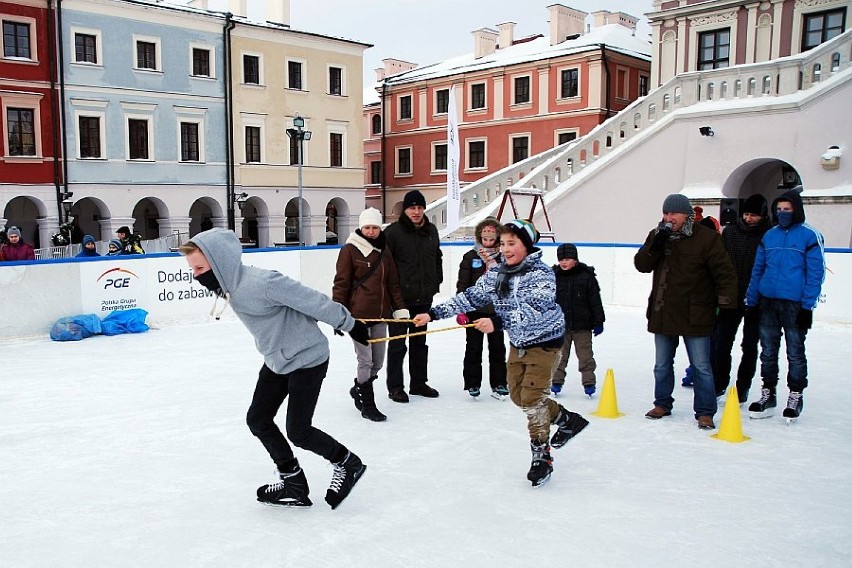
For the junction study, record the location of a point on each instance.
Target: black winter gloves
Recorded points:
(360, 333)
(804, 319)
(659, 241)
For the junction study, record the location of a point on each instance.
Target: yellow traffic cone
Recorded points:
(608, 406)
(731, 428)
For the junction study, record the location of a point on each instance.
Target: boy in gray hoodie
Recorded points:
(282, 315)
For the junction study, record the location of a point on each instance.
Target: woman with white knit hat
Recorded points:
(366, 282)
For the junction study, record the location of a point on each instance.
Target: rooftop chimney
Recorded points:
(278, 11)
(564, 22)
(393, 66)
(604, 17)
(484, 42)
(507, 35)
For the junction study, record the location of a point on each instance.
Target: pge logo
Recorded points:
(115, 278)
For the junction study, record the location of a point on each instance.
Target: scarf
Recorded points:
(378, 243)
(489, 255)
(505, 273)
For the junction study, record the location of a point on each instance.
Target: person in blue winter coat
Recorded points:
(89, 250)
(785, 286)
(522, 290)
(281, 314)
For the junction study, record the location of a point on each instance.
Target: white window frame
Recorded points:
(467, 166)
(800, 9)
(343, 86)
(99, 52)
(512, 138)
(195, 115)
(568, 67)
(139, 111)
(399, 98)
(27, 101)
(158, 53)
(556, 134)
(32, 22)
(304, 64)
(529, 101)
(483, 108)
(435, 101)
(212, 59)
(260, 78)
(258, 120)
(435, 169)
(396, 171)
(336, 127)
(708, 22)
(101, 116)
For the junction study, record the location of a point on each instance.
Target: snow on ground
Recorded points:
(133, 451)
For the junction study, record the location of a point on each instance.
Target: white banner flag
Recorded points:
(453, 189)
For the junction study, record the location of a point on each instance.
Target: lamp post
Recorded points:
(67, 204)
(299, 134)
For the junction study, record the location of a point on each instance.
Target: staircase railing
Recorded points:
(561, 165)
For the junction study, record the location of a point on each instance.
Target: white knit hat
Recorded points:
(371, 216)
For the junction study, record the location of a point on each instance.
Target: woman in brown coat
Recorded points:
(367, 283)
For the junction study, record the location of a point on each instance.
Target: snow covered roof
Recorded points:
(615, 37)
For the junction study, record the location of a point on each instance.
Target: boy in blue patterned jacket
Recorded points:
(522, 290)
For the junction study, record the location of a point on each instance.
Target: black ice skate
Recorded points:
(346, 475)
(765, 406)
(569, 425)
(795, 402)
(291, 490)
(542, 463)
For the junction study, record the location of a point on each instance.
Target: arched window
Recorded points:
(637, 121)
(475, 201)
(752, 86)
(711, 87)
(738, 88)
(723, 90)
(464, 206)
(816, 72)
(767, 85)
(667, 103)
(835, 62)
(677, 96)
(652, 112)
(377, 124)
(609, 139)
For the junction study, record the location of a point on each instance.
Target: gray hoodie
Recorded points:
(279, 312)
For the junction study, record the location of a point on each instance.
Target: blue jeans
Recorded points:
(698, 350)
(777, 316)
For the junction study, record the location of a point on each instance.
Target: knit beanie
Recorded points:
(13, 231)
(677, 203)
(566, 251)
(524, 230)
(88, 239)
(413, 198)
(756, 205)
(371, 216)
(117, 244)
(124, 229)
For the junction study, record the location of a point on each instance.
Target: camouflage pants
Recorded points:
(529, 372)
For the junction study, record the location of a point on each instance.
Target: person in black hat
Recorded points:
(579, 295)
(692, 276)
(131, 243)
(416, 250)
(741, 241)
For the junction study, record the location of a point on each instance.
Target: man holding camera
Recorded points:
(692, 277)
(131, 242)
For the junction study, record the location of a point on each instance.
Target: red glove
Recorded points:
(462, 319)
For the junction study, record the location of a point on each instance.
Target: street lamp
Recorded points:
(67, 204)
(241, 200)
(299, 134)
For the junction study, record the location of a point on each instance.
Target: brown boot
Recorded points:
(705, 422)
(657, 412)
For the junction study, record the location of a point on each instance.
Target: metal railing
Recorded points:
(168, 243)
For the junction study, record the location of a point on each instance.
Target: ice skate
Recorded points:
(589, 390)
(569, 424)
(346, 474)
(542, 463)
(474, 392)
(795, 402)
(290, 490)
(555, 388)
(764, 407)
(500, 392)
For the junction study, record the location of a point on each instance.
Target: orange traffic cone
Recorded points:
(731, 428)
(608, 406)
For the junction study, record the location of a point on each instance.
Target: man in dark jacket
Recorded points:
(741, 240)
(416, 249)
(692, 276)
(579, 295)
(786, 283)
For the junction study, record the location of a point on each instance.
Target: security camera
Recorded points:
(706, 131)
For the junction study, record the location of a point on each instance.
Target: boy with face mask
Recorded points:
(785, 285)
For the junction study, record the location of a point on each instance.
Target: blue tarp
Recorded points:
(79, 327)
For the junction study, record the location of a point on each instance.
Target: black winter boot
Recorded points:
(365, 401)
(542, 463)
(353, 392)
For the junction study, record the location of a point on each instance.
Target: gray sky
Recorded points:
(427, 31)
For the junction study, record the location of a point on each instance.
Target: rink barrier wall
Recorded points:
(34, 294)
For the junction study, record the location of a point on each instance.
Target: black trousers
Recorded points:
(725, 333)
(472, 370)
(418, 352)
(303, 388)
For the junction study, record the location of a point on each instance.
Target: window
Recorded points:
(294, 151)
(643, 85)
(403, 160)
(477, 96)
(16, 40)
(200, 62)
(20, 125)
(405, 107)
(335, 149)
(251, 69)
(822, 26)
(189, 147)
(476, 154)
(522, 90)
(90, 136)
(85, 48)
(294, 75)
(565, 137)
(375, 172)
(377, 124)
(569, 79)
(442, 101)
(146, 55)
(138, 138)
(714, 49)
(440, 162)
(520, 148)
(335, 81)
(253, 144)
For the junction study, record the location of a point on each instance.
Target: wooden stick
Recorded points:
(388, 320)
(380, 339)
